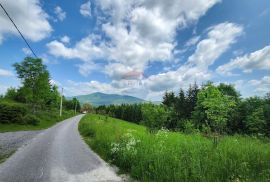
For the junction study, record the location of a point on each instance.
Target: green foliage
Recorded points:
(229, 90)
(71, 104)
(87, 107)
(11, 112)
(215, 105)
(256, 123)
(35, 79)
(54, 99)
(191, 99)
(211, 108)
(169, 99)
(189, 127)
(36, 96)
(11, 94)
(154, 116)
(31, 119)
(173, 156)
(47, 119)
(128, 112)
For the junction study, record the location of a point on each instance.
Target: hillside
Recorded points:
(98, 99)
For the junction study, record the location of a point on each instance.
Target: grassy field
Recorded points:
(48, 118)
(170, 156)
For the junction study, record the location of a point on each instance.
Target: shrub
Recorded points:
(154, 116)
(31, 119)
(189, 127)
(11, 112)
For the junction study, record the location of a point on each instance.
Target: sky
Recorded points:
(140, 47)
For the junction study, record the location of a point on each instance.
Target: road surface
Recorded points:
(11, 141)
(57, 154)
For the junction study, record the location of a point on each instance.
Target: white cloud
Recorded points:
(259, 59)
(143, 31)
(61, 15)
(85, 50)
(85, 9)
(219, 39)
(86, 68)
(5, 73)
(193, 41)
(118, 71)
(26, 51)
(138, 31)
(261, 86)
(30, 18)
(65, 39)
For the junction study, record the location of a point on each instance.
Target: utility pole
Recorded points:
(61, 102)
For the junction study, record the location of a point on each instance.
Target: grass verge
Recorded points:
(47, 119)
(3, 157)
(171, 156)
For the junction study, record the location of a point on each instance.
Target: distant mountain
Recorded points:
(99, 98)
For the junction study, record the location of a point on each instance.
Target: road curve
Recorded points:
(57, 154)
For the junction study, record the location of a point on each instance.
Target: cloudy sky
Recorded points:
(140, 47)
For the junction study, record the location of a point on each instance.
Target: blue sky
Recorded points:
(140, 47)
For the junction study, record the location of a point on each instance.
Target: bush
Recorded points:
(31, 119)
(11, 112)
(154, 116)
(189, 127)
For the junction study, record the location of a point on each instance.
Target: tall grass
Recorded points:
(171, 156)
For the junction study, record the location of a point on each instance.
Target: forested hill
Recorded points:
(99, 98)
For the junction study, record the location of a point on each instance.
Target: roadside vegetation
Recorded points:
(206, 133)
(3, 157)
(210, 109)
(35, 104)
(175, 156)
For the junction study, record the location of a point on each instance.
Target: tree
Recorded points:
(229, 90)
(11, 93)
(77, 104)
(87, 108)
(256, 123)
(215, 106)
(234, 122)
(154, 116)
(191, 99)
(169, 99)
(35, 80)
(266, 110)
(181, 105)
(267, 98)
(55, 97)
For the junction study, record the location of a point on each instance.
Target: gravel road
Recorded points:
(11, 141)
(57, 154)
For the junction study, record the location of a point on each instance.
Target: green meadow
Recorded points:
(174, 156)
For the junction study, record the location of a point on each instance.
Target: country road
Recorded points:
(57, 154)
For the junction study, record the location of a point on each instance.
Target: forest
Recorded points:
(208, 108)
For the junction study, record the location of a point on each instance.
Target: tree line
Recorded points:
(36, 92)
(209, 108)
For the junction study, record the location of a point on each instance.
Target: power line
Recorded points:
(18, 30)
